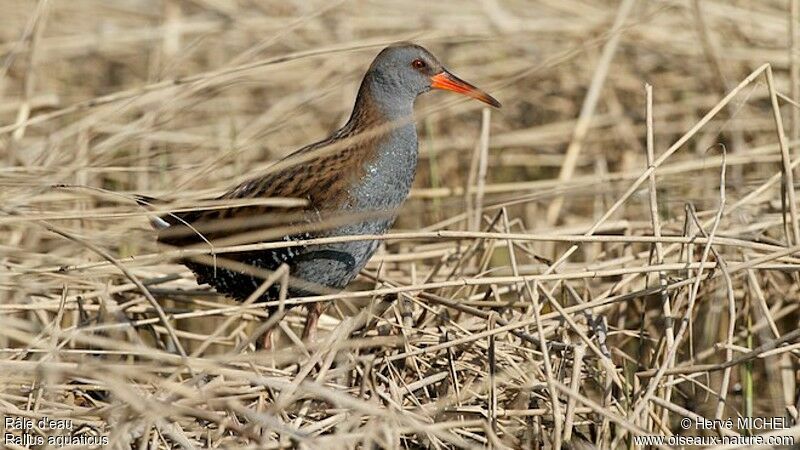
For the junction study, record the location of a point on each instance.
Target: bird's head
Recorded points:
(405, 70)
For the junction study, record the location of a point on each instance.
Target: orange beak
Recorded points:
(449, 82)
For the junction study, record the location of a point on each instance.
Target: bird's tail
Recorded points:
(156, 221)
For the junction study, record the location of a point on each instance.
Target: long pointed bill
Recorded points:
(449, 82)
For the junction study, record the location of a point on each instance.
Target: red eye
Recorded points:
(418, 64)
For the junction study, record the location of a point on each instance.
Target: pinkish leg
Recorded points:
(312, 318)
(266, 340)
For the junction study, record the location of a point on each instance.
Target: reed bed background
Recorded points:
(611, 252)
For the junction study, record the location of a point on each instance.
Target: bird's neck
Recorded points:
(381, 103)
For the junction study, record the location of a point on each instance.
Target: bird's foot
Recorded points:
(312, 319)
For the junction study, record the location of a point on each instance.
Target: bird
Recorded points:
(356, 179)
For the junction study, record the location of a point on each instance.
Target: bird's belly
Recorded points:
(333, 265)
(314, 269)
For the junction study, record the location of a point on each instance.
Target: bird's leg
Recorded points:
(265, 341)
(310, 329)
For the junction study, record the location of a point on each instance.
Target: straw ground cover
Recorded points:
(612, 252)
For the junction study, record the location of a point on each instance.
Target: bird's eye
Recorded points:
(418, 64)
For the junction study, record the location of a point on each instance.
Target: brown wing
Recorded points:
(323, 178)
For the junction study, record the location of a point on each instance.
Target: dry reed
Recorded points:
(612, 252)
